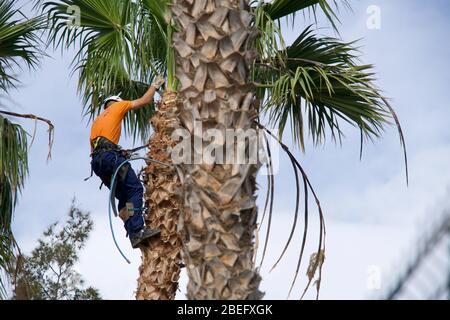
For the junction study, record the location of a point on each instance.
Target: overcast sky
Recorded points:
(372, 217)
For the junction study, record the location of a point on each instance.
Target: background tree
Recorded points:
(48, 272)
(19, 47)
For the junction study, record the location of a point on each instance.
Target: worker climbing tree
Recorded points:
(108, 159)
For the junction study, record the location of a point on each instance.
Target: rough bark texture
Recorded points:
(213, 46)
(160, 268)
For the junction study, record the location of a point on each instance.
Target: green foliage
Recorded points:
(279, 9)
(101, 40)
(319, 79)
(316, 82)
(157, 16)
(13, 170)
(13, 159)
(48, 273)
(120, 46)
(18, 43)
(158, 10)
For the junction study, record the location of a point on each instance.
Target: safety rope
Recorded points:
(111, 195)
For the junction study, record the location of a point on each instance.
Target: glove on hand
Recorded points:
(158, 81)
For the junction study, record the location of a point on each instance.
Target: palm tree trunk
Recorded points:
(160, 268)
(213, 46)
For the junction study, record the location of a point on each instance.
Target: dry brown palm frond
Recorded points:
(270, 197)
(322, 232)
(269, 191)
(51, 127)
(315, 263)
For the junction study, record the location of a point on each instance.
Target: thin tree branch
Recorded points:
(51, 127)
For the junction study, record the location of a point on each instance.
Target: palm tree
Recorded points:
(18, 48)
(216, 66)
(122, 44)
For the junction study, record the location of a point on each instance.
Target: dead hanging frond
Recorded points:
(269, 168)
(51, 128)
(34, 132)
(316, 263)
(294, 224)
(400, 133)
(269, 197)
(394, 116)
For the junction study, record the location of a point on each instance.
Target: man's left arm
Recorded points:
(147, 98)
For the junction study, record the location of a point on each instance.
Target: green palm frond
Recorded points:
(153, 39)
(120, 47)
(18, 43)
(157, 44)
(13, 171)
(270, 42)
(7, 249)
(19, 47)
(13, 168)
(13, 154)
(158, 10)
(102, 39)
(100, 22)
(151, 42)
(279, 9)
(320, 80)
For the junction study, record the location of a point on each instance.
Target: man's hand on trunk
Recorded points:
(158, 81)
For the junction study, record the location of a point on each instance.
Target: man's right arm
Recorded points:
(147, 98)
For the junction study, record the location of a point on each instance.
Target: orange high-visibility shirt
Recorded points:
(108, 123)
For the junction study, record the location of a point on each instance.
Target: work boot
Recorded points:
(143, 234)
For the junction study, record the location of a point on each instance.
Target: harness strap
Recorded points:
(101, 144)
(92, 173)
(95, 142)
(137, 149)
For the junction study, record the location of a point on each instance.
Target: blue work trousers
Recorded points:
(128, 187)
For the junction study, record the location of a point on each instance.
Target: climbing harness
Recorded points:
(99, 145)
(106, 145)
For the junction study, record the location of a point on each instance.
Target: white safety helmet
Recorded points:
(111, 98)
